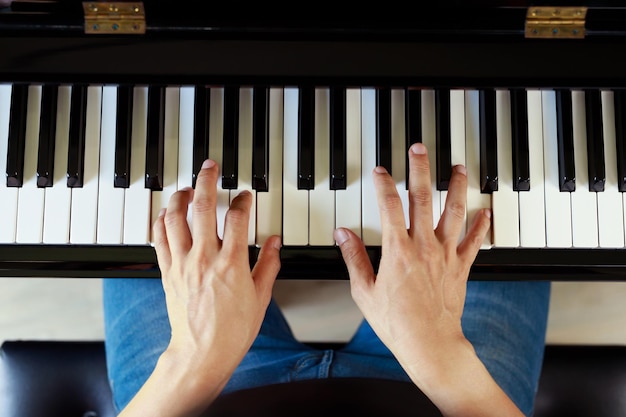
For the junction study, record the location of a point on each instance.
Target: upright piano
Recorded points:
(107, 108)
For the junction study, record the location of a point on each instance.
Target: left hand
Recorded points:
(215, 303)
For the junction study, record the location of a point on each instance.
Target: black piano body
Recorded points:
(481, 45)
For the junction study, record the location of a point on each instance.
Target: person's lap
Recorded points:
(504, 320)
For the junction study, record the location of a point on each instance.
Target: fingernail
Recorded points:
(488, 213)
(278, 244)
(460, 169)
(380, 169)
(418, 148)
(162, 212)
(208, 163)
(341, 236)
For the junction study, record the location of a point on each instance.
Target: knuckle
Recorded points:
(456, 209)
(421, 197)
(237, 216)
(390, 202)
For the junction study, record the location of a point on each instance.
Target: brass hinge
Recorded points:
(120, 18)
(556, 22)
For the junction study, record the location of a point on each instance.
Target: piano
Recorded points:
(107, 108)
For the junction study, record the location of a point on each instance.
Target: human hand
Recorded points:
(214, 302)
(415, 302)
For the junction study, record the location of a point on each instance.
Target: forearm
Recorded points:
(457, 382)
(177, 388)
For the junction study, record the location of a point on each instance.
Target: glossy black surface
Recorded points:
(230, 142)
(123, 136)
(443, 140)
(412, 121)
(260, 138)
(619, 98)
(201, 107)
(76, 146)
(488, 141)
(519, 138)
(565, 139)
(306, 138)
(338, 151)
(47, 135)
(17, 135)
(155, 138)
(383, 128)
(595, 140)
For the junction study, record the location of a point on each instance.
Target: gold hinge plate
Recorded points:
(119, 18)
(556, 22)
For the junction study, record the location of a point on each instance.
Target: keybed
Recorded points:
(95, 164)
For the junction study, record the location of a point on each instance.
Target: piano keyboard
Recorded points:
(95, 164)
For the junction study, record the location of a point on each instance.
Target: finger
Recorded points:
(473, 240)
(161, 246)
(454, 217)
(359, 265)
(236, 224)
(392, 219)
(204, 218)
(267, 266)
(176, 226)
(420, 191)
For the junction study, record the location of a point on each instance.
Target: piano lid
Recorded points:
(482, 44)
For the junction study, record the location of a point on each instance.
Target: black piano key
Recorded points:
(565, 138)
(306, 138)
(443, 139)
(47, 135)
(338, 151)
(123, 136)
(383, 128)
(488, 141)
(76, 147)
(619, 97)
(201, 108)
(260, 139)
(412, 121)
(155, 138)
(17, 135)
(595, 140)
(519, 136)
(230, 149)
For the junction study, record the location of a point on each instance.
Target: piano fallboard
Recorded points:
(307, 262)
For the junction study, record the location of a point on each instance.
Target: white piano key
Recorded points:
(85, 199)
(8, 195)
(505, 200)
(558, 206)
(270, 203)
(160, 199)
(372, 232)
(216, 148)
(295, 202)
(30, 208)
(322, 198)
(399, 150)
(244, 164)
(185, 137)
(56, 226)
(185, 140)
(610, 203)
(137, 201)
(584, 202)
(476, 200)
(532, 202)
(110, 199)
(348, 201)
(457, 140)
(429, 137)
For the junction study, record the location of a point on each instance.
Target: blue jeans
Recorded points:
(504, 320)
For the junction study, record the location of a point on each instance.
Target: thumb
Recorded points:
(267, 266)
(354, 255)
